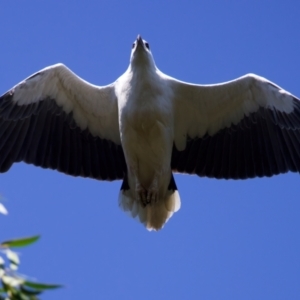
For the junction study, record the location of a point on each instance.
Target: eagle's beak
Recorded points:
(139, 41)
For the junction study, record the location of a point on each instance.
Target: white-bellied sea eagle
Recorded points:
(147, 125)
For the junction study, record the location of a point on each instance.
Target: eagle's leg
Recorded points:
(152, 193)
(147, 196)
(153, 190)
(141, 193)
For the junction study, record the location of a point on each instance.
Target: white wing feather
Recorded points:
(206, 109)
(92, 106)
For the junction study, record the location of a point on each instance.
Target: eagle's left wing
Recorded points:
(240, 129)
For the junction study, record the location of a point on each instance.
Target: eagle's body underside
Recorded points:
(145, 126)
(147, 140)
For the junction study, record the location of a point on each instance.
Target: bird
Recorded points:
(146, 126)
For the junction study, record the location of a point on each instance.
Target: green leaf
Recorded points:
(41, 286)
(29, 291)
(22, 242)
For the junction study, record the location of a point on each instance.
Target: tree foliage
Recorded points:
(13, 285)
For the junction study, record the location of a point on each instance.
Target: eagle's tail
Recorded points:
(154, 215)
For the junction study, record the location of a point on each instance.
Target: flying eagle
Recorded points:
(145, 126)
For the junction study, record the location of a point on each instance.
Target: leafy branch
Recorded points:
(14, 286)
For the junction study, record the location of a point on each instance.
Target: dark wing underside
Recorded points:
(44, 135)
(264, 143)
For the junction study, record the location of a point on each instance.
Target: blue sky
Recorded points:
(230, 239)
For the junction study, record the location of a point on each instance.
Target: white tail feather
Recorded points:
(153, 216)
